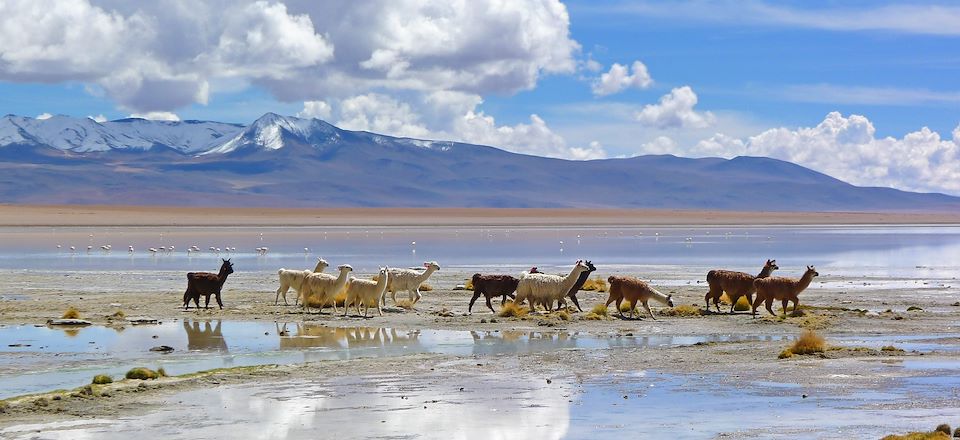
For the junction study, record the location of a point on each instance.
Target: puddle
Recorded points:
(35, 359)
(922, 343)
(484, 407)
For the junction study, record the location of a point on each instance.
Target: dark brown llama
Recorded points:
(206, 283)
(736, 284)
(491, 286)
(579, 284)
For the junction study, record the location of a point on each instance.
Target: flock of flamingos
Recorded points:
(314, 287)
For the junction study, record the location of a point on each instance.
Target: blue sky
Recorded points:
(842, 87)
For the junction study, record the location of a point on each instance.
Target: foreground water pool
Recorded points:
(39, 358)
(639, 404)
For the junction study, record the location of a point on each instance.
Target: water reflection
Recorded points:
(302, 335)
(203, 335)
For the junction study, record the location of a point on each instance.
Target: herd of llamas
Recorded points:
(531, 286)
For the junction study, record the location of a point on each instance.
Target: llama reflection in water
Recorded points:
(201, 335)
(299, 335)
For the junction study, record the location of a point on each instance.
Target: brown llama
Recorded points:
(491, 286)
(206, 283)
(579, 284)
(782, 288)
(634, 290)
(736, 284)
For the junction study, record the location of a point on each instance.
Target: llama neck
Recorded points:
(765, 272)
(382, 282)
(342, 279)
(426, 274)
(805, 281)
(660, 297)
(320, 267)
(222, 277)
(571, 279)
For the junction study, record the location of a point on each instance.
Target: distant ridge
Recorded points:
(282, 161)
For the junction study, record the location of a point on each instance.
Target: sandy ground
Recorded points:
(64, 215)
(834, 313)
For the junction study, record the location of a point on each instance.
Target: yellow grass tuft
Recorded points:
(933, 435)
(161, 372)
(71, 313)
(469, 284)
(405, 303)
(683, 310)
(563, 315)
(118, 314)
(595, 284)
(425, 287)
(598, 313)
(142, 373)
(625, 307)
(102, 379)
(785, 354)
(890, 348)
(742, 305)
(511, 309)
(809, 342)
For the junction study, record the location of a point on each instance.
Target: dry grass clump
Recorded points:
(809, 342)
(626, 307)
(102, 379)
(598, 313)
(933, 435)
(71, 313)
(143, 373)
(683, 310)
(563, 315)
(742, 305)
(595, 284)
(815, 322)
(511, 309)
(405, 304)
(469, 284)
(890, 348)
(425, 287)
(118, 314)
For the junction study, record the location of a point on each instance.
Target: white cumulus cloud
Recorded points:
(316, 109)
(620, 78)
(99, 118)
(44, 115)
(847, 148)
(157, 116)
(675, 110)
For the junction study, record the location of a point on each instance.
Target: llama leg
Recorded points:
(796, 302)
(206, 302)
(573, 297)
(646, 306)
(490, 306)
(768, 304)
(476, 294)
(733, 303)
(393, 294)
(219, 302)
(281, 291)
(619, 310)
(379, 310)
(756, 303)
(785, 303)
(186, 299)
(418, 296)
(707, 297)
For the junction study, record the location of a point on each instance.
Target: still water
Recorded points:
(917, 251)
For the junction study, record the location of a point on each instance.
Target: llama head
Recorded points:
(383, 271)
(590, 266)
(581, 266)
(345, 268)
(670, 300)
(534, 270)
(431, 265)
(772, 265)
(226, 267)
(320, 260)
(812, 271)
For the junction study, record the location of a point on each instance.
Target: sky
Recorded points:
(865, 91)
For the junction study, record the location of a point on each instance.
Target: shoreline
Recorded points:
(148, 216)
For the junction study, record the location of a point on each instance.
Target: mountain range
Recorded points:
(282, 161)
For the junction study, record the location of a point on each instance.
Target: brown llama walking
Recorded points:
(634, 290)
(782, 288)
(206, 283)
(736, 284)
(492, 286)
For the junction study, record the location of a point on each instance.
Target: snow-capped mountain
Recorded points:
(285, 161)
(84, 135)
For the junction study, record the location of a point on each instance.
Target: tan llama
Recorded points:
(736, 284)
(781, 288)
(634, 290)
